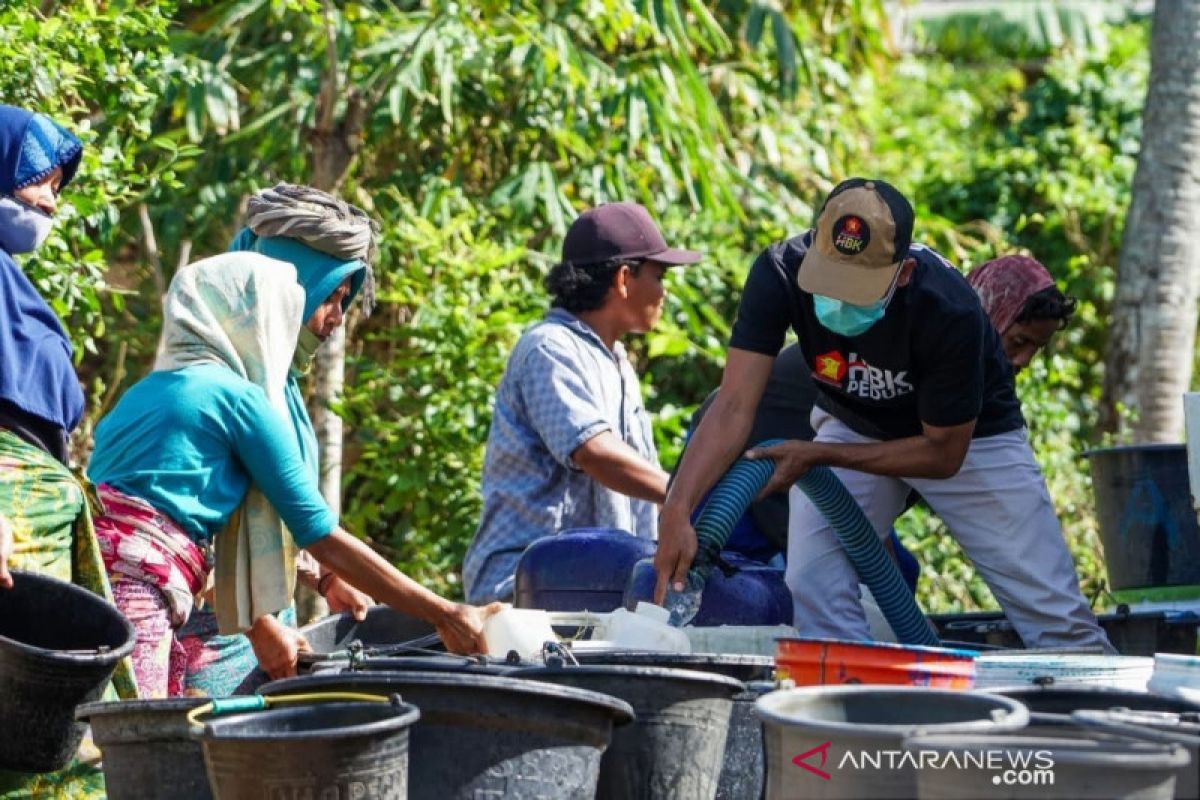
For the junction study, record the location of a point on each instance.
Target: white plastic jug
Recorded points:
(1176, 675)
(646, 628)
(524, 630)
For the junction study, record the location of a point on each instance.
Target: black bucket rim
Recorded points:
(1160, 447)
(440, 662)
(716, 659)
(744, 667)
(409, 714)
(1141, 724)
(1016, 713)
(1127, 753)
(335, 620)
(94, 659)
(978, 647)
(1016, 690)
(618, 670)
(112, 708)
(620, 711)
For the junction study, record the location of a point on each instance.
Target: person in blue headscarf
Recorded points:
(45, 524)
(208, 466)
(41, 401)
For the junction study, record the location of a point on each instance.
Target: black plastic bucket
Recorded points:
(732, 665)
(1140, 633)
(384, 628)
(816, 735)
(149, 753)
(460, 665)
(743, 770)
(1163, 728)
(1019, 766)
(59, 645)
(1055, 712)
(335, 750)
(1066, 700)
(488, 736)
(1144, 511)
(675, 749)
(1050, 706)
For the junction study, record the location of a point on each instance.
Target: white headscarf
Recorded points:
(242, 311)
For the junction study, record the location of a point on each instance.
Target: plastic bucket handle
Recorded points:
(239, 705)
(1134, 725)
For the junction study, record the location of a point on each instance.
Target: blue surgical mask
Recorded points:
(851, 320)
(845, 319)
(23, 228)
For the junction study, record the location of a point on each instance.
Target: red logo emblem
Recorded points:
(830, 367)
(851, 235)
(823, 749)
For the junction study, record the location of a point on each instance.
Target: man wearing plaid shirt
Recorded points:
(570, 444)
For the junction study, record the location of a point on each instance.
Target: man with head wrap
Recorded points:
(1024, 305)
(208, 465)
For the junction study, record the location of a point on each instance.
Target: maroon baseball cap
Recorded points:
(620, 230)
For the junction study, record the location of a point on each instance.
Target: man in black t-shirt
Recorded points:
(783, 413)
(914, 392)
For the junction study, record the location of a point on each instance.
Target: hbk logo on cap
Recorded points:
(851, 235)
(861, 238)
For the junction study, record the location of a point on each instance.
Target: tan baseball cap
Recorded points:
(861, 238)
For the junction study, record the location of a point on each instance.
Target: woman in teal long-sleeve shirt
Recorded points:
(221, 420)
(192, 441)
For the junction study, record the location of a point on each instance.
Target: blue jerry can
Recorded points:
(581, 569)
(743, 592)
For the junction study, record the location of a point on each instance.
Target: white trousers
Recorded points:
(996, 507)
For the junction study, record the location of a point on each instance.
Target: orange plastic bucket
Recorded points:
(816, 662)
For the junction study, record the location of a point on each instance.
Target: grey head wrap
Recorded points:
(321, 221)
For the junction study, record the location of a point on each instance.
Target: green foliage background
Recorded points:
(491, 123)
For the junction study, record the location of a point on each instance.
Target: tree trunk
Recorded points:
(333, 144)
(328, 377)
(328, 380)
(333, 151)
(1148, 364)
(333, 147)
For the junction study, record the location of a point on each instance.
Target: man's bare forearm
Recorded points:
(914, 457)
(614, 464)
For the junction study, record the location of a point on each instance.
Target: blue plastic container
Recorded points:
(582, 569)
(753, 594)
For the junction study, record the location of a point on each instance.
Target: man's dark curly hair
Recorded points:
(1049, 303)
(583, 287)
